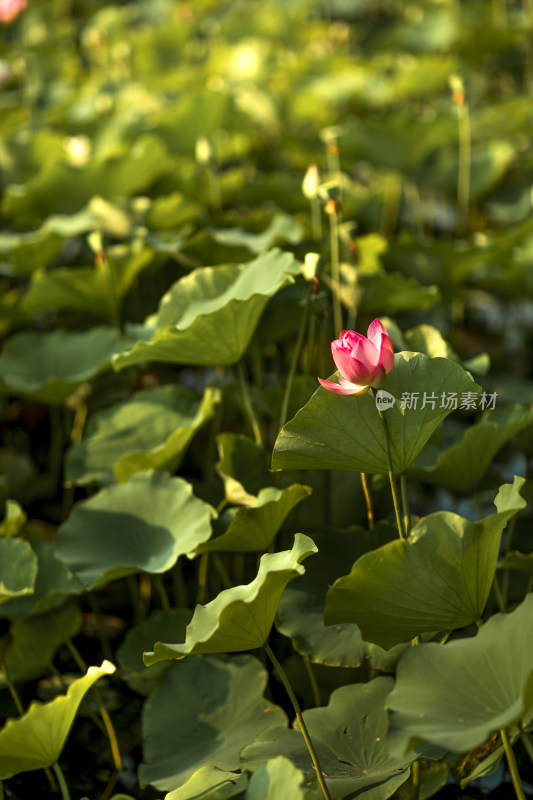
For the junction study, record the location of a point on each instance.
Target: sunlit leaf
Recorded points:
(18, 568)
(35, 740)
(240, 618)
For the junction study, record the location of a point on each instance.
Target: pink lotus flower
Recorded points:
(363, 362)
(9, 9)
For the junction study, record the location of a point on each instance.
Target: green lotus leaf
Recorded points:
(53, 582)
(283, 228)
(36, 739)
(34, 641)
(18, 569)
(345, 432)
(50, 366)
(458, 694)
(240, 618)
(277, 779)
(437, 579)
(254, 527)
(212, 726)
(144, 524)
(350, 737)
(86, 289)
(210, 315)
(150, 430)
(462, 466)
(211, 783)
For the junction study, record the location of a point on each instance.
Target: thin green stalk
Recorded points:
(368, 501)
(100, 628)
(222, 571)
(135, 598)
(511, 762)
(113, 297)
(106, 719)
(248, 407)
(202, 578)
(310, 344)
(295, 358)
(463, 179)
(316, 219)
(415, 780)
(394, 490)
(297, 710)
(178, 584)
(12, 690)
(312, 680)
(65, 794)
(335, 274)
(405, 503)
(163, 596)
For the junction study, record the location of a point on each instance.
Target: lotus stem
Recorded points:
(415, 780)
(298, 711)
(202, 578)
(106, 719)
(312, 680)
(463, 179)
(316, 219)
(248, 407)
(405, 503)
(394, 490)
(511, 762)
(165, 602)
(507, 572)
(295, 358)
(528, 744)
(335, 269)
(368, 501)
(65, 794)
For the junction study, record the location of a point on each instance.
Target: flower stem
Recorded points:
(312, 680)
(368, 501)
(513, 769)
(405, 503)
(202, 578)
(297, 710)
(106, 719)
(394, 490)
(463, 180)
(65, 794)
(295, 358)
(528, 744)
(415, 780)
(248, 407)
(335, 273)
(163, 596)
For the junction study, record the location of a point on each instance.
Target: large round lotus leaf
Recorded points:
(346, 432)
(18, 569)
(301, 609)
(50, 366)
(350, 737)
(211, 783)
(277, 779)
(210, 315)
(142, 525)
(36, 739)
(54, 580)
(160, 625)
(151, 430)
(282, 228)
(34, 641)
(462, 466)
(458, 694)
(253, 528)
(437, 579)
(221, 709)
(240, 618)
(86, 289)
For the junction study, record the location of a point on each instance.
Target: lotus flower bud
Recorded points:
(363, 361)
(311, 182)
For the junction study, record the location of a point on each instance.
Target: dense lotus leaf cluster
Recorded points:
(219, 579)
